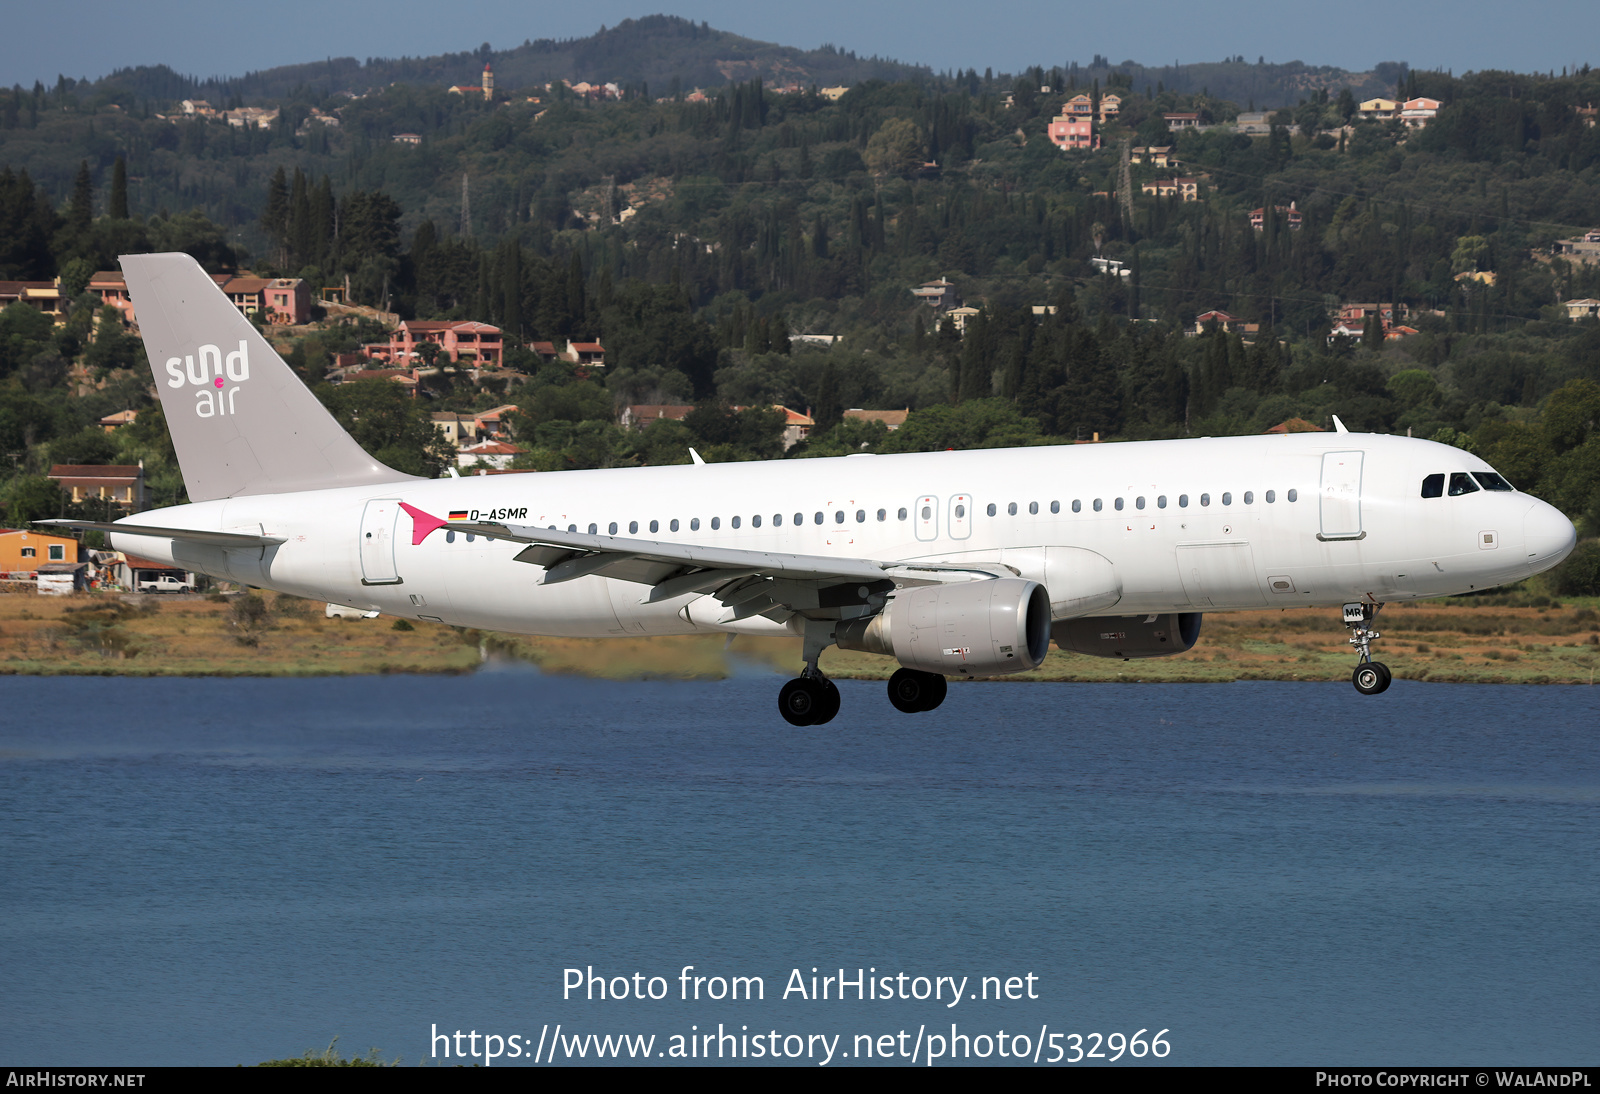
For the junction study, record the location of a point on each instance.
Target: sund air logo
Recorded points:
(215, 374)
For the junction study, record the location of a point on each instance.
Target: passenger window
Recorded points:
(992, 510)
(777, 520)
(1077, 506)
(1098, 505)
(570, 528)
(1033, 507)
(1272, 496)
(1249, 497)
(755, 521)
(655, 526)
(927, 513)
(611, 529)
(674, 524)
(1161, 501)
(1433, 486)
(716, 522)
(1490, 481)
(633, 527)
(1461, 483)
(1205, 499)
(861, 516)
(1138, 503)
(817, 519)
(838, 516)
(1227, 498)
(902, 514)
(593, 528)
(1055, 507)
(1183, 501)
(1294, 495)
(1011, 510)
(1118, 504)
(883, 515)
(961, 511)
(736, 522)
(694, 524)
(799, 519)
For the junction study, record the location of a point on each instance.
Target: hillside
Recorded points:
(660, 51)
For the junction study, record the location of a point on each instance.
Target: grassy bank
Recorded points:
(103, 634)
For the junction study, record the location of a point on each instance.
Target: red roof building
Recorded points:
(466, 342)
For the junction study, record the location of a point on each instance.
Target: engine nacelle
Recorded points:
(1129, 636)
(974, 628)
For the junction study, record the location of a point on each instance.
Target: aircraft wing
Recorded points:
(215, 539)
(748, 582)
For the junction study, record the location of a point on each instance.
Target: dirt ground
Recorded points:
(156, 635)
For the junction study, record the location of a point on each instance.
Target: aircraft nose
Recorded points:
(1550, 536)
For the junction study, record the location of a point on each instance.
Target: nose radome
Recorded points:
(1550, 536)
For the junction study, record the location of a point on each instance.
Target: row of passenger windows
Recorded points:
(1462, 483)
(1098, 504)
(958, 512)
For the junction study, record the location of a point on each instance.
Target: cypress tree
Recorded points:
(80, 213)
(119, 190)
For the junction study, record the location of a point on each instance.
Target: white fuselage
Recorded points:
(1111, 529)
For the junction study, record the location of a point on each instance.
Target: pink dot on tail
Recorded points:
(217, 381)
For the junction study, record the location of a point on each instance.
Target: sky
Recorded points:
(225, 39)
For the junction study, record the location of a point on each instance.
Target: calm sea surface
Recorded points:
(223, 871)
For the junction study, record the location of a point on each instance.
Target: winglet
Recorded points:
(1338, 426)
(421, 523)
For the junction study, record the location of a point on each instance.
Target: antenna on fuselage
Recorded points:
(696, 457)
(1338, 426)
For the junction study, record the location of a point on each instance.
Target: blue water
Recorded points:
(223, 871)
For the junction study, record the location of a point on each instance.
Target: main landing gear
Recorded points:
(1370, 677)
(912, 691)
(811, 699)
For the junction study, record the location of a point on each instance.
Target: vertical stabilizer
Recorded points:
(241, 420)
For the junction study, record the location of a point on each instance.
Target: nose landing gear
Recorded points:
(1370, 677)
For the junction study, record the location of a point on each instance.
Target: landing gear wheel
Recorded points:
(912, 691)
(1372, 677)
(808, 702)
(800, 701)
(830, 702)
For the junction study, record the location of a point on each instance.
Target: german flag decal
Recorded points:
(458, 514)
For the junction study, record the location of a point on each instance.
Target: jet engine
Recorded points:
(973, 628)
(1129, 636)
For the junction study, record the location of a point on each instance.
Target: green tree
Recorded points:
(391, 426)
(896, 148)
(119, 190)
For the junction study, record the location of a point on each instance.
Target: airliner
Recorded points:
(955, 564)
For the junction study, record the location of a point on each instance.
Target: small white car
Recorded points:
(164, 583)
(344, 611)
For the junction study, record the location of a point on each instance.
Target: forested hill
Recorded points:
(757, 246)
(664, 53)
(660, 52)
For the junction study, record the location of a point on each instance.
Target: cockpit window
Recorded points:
(1461, 483)
(1491, 481)
(1433, 486)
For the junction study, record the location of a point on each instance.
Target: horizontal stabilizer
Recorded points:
(191, 535)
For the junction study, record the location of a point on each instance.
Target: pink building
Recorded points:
(1070, 132)
(466, 342)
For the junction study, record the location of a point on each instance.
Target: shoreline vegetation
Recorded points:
(1507, 638)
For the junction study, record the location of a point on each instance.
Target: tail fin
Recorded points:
(241, 420)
